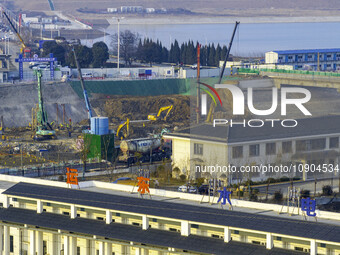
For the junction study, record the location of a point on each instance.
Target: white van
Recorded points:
(87, 75)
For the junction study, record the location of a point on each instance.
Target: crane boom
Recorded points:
(228, 51)
(212, 106)
(87, 102)
(15, 30)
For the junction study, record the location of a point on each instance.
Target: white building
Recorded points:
(111, 10)
(327, 59)
(131, 9)
(150, 10)
(314, 141)
(51, 218)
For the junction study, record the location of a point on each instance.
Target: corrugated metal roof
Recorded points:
(220, 217)
(125, 232)
(306, 51)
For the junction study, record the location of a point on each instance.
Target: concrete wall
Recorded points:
(258, 83)
(126, 72)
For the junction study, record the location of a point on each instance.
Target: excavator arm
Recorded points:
(127, 124)
(162, 109)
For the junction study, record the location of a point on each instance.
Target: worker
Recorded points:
(156, 184)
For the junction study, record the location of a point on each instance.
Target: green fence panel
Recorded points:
(134, 87)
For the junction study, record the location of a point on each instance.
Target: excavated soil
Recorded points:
(120, 108)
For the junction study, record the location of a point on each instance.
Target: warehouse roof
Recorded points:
(325, 125)
(203, 131)
(221, 217)
(125, 232)
(307, 51)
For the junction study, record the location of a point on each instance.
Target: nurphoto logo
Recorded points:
(239, 105)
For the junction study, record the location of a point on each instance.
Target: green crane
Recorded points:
(44, 130)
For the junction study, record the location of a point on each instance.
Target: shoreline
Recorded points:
(222, 20)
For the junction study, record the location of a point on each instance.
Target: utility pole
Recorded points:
(198, 101)
(21, 158)
(118, 34)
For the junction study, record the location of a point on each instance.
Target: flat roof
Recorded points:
(306, 51)
(125, 232)
(279, 225)
(324, 125)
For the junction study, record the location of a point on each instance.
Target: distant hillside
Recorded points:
(221, 6)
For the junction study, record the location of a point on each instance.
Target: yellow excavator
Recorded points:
(158, 116)
(127, 124)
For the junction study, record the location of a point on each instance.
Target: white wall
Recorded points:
(271, 57)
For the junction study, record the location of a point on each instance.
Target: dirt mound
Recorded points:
(120, 108)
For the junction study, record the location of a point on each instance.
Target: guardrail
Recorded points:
(300, 72)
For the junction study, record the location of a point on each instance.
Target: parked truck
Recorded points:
(142, 149)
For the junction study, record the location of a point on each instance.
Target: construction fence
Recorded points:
(300, 72)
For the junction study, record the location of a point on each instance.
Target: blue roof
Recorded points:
(286, 52)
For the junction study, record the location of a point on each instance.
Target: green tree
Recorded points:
(84, 56)
(218, 55)
(57, 50)
(211, 56)
(223, 52)
(191, 53)
(175, 53)
(203, 56)
(165, 55)
(100, 53)
(183, 51)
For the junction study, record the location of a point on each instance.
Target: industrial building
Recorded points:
(52, 219)
(314, 59)
(313, 141)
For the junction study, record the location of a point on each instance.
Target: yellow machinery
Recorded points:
(158, 116)
(23, 45)
(127, 124)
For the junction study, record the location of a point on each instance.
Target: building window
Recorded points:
(309, 145)
(254, 150)
(287, 147)
(270, 148)
(237, 151)
(334, 142)
(11, 244)
(198, 149)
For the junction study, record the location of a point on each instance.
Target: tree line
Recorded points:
(96, 56)
(134, 48)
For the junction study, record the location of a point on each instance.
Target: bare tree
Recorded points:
(111, 159)
(128, 45)
(83, 146)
